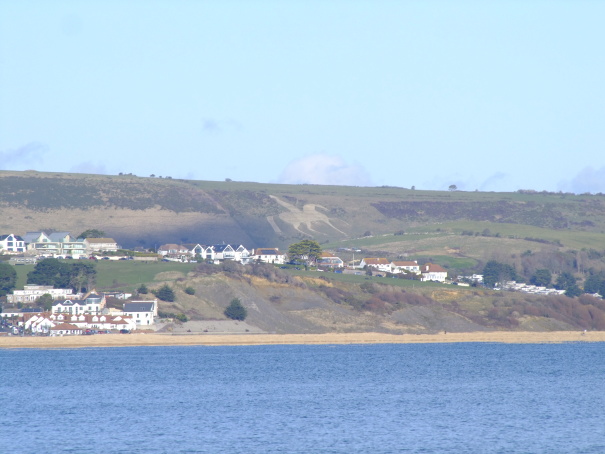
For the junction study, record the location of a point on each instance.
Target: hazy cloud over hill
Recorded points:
(587, 180)
(324, 169)
(23, 157)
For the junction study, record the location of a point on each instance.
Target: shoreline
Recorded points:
(166, 340)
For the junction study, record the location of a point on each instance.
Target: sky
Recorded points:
(484, 95)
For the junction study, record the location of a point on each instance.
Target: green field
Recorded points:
(125, 275)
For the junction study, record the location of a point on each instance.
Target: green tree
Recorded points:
(165, 293)
(593, 283)
(565, 280)
(92, 233)
(46, 301)
(541, 278)
(306, 250)
(81, 276)
(453, 187)
(497, 273)
(47, 272)
(189, 290)
(143, 290)
(8, 278)
(235, 310)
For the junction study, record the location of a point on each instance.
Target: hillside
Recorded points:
(144, 211)
(278, 302)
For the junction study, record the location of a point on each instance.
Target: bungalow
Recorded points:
(101, 245)
(433, 272)
(268, 255)
(174, 252)
(329, 260)
(381, 264)
(409, 266)
(12, 244)
(66, 329)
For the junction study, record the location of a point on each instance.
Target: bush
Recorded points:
(164, 293)
(181, 317)
(190, 291)
(235, 310)
(143, 290)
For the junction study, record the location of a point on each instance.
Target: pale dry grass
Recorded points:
(134, 340)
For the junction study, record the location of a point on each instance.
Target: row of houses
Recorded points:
(56, 244)
(87, 312)
(426, 272)
(219, 252)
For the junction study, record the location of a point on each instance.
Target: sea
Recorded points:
(403, 398)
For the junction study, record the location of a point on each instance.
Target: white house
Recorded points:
(329, 260)
(96, 321)
(380, 264)
(142, 312)
(91, 304)
(269, 255)
(12, 244)
(242, 254)
(433, 272)
(398, 267)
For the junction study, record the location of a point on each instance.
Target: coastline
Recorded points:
(155, 340)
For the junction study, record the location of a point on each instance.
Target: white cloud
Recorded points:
(27, 155)
(324, 169)
(588, 180)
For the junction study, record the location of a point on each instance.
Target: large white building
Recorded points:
(31, 293)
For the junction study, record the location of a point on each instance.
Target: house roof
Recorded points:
(16, 237)
(267, 251)
(405, 263)
(138, 307)
(221, 247)
(64, 326)
(376, 261)
(30, 237)
(433, 268)
(58, 236)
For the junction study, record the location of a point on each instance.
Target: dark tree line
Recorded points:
(79, 276)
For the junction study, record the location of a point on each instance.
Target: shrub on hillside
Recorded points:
(165, 293)
(235, 310)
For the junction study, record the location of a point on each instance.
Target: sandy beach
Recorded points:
(150, 339)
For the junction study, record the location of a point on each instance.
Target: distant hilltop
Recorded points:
(146, 211)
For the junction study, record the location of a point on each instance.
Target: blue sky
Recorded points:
(494, 96)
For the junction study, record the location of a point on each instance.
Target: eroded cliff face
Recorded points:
(312, 305)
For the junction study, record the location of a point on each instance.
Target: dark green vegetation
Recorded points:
(235, 310)
(8, 278)
(165, 293)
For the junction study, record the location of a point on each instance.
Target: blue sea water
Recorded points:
(427, 398)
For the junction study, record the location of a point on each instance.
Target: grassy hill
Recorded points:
(460, 230)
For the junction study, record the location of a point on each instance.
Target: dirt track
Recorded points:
(133, 340)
